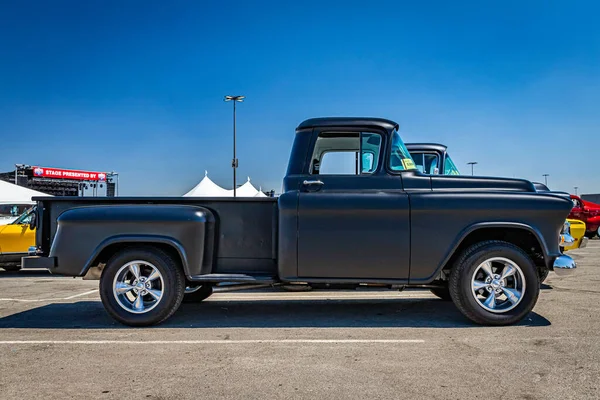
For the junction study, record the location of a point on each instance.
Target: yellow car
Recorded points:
(15, 240)
(577, 230)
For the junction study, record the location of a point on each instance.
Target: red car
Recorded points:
(587, 212)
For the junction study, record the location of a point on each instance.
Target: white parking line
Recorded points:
(54, 299)
(248, 341)
(81, 294)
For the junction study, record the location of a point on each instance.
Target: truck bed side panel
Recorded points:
(243, 238)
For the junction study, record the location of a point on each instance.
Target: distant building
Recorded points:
(594, 198)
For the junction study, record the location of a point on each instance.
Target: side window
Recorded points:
(346, 153)
(427, 163)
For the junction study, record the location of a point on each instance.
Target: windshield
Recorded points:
(25, 218)
(400, 159)
(12, 210)
(450, 167)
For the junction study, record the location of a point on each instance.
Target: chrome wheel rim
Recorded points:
(138, 287)
(498, 285)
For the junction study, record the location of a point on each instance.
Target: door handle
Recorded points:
(313, 186)
(308, 183)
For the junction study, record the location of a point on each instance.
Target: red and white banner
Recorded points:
(43, 172)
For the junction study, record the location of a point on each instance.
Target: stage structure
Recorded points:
(64, 182)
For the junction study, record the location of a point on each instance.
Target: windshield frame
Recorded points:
(388, 159)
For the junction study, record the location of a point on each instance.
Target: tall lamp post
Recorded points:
(546, 178)
(234, 162)
(472, 164)
(576, 187)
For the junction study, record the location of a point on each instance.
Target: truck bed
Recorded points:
(245, 229)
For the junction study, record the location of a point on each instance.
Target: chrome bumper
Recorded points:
(564, 265)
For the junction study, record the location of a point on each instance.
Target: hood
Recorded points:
(478, 183)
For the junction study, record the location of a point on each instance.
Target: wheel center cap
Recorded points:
(495, 284)
(140, 285)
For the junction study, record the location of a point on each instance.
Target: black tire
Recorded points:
(543, 272)
(442, 293)
(11, 268)
(202, 293)
(464, 268)
(173, 289)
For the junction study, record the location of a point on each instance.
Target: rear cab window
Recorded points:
(346, 153)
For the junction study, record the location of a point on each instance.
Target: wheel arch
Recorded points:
(112, 245)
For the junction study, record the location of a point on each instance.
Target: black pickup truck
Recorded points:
(354, 211)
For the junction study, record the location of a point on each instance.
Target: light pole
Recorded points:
(234, 162)
(576, 187)
(546, 178)
(472, 164)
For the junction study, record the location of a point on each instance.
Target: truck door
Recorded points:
(353, 218)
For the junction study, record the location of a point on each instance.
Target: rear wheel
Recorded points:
(141, 286)
(494, 283)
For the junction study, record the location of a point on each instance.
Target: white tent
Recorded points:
(207, 188)
(14, 194)
(260, 193)
(246, 190)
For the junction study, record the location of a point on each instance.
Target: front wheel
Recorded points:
(494, 283)
(141, 286)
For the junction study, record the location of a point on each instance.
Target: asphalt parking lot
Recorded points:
(56, 341)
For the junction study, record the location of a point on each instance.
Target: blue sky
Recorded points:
(137, 86)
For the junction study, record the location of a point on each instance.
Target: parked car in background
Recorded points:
(587, 212)
(15, 240)
(432, 158)
(577, 231)
(9, 212)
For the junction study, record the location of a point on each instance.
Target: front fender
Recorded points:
(548, 254)
(84, 233)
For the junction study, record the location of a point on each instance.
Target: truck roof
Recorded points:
(426, 146)
(348, 121)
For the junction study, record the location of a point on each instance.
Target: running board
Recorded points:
(232, 278)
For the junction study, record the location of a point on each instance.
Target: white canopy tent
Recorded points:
(246, 190)
(207, 188)
(12, 200)
(14, 194)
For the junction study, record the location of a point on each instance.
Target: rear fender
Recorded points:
(84, 235)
